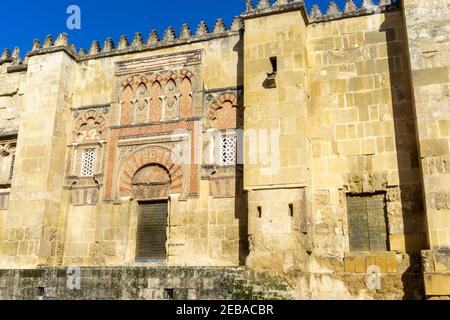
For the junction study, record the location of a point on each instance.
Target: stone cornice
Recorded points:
(96, 106)
(19, 68)
(137, 46)
(264, 8)
(9, 134)
(350, 10)
(156, 123)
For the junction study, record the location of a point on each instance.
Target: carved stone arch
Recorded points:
(90, 126)
(171, 75)
(186, 73)
(152, 181)
(186, 99)
(126, 82)
(157, 77)
(151, 157)
(126, 112)
(141, 79)
(171, 93)
(7, 149)
(135, 81)
(223, 112)
(141, 91)
(141, 104)
(131, 103)
(155, 112)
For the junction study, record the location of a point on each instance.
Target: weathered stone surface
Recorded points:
(344, 104)
(141, 284)
(427, 29)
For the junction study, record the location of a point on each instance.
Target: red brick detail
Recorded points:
(155, 102)
(134, 81)
(140, 168)
(127, 171)
(172, 76)
(127, 106)
(223, 112)
(186, 98)
(186, 73)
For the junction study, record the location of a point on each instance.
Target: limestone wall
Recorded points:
(362, 130)
(11, 97)
(203, 230)
(11, 107)
(354, 133)
(277, 150)
(428, 28)
(427, 31)
(280, 111)
(33, 213)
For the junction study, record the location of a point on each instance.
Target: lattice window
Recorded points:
(7, 159)
(228, 150)
(13, 162)
(367, 222)
(88, 160)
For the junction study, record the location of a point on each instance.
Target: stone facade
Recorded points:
(311, 148)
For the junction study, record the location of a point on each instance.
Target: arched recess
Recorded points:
(134, 100)
(90, 126)
(150, 173)
(126, 115)
(172, 96)
(141, 110)
(224, 111)
(151, 182)
(186, 98)
(155, 102)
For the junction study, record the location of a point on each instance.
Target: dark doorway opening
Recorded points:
(152, 232)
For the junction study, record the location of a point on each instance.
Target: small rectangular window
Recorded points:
(274, 63)
(88, 160)
(367, 222)
(228, 150)
(7, 160)
(259, 211)
(291, 209)
(13, 162)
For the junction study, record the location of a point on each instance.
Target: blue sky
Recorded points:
(100, 19)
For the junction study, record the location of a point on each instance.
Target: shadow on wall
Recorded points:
(241, 203)
(415, 238)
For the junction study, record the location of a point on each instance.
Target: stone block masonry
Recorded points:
(427, 30)
(176, 283)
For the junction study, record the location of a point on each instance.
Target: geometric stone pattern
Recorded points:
(84, 169)
(162, 128)
(367, 223)
(146, 156)
(228, 150)
(223, 112)
(156, 97)
(88, 163)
